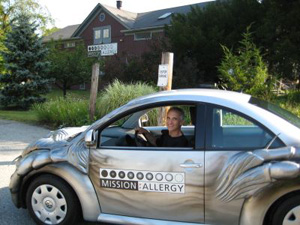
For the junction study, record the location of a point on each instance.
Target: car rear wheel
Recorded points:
(50, 200)
(288, 212)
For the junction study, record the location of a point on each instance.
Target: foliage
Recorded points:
(71, 111)
(279, 34)
(245, 70)
(69, 67)
(198, 34)
(27, 69)
(118, 94)
(11, 9)
(62, 111)
(290, 101)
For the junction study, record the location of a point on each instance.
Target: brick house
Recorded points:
(117, 31)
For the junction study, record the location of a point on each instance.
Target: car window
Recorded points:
(121, 133)
(231, 130)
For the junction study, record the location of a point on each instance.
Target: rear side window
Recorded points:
(231, 130)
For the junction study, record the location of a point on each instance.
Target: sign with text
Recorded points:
(102, 50)
(162, 75)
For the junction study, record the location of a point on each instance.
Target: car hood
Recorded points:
(55, 139)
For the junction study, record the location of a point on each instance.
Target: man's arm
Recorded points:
(150, 137)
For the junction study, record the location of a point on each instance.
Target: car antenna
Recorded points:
(271, 141)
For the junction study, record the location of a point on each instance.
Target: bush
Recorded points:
(118, 94)
(72, 111)
(62, 112)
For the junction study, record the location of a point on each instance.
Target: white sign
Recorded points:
(162, 75)
(149, 181)
(103, 49)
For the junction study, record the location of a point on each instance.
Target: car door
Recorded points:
(151, 182)
(231, 138)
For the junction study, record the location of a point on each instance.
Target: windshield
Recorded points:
(286, 115)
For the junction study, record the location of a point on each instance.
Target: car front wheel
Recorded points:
(288, 212)
(50, 200)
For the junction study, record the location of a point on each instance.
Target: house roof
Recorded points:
(136, 21)
(131, 21)
(151, 19)
(62, 34)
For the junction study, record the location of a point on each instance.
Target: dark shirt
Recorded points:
(165, 140)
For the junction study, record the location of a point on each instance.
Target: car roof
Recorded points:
(197, 94)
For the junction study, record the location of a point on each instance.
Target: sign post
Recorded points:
(165, 77)
(94, 90)
(98, 51)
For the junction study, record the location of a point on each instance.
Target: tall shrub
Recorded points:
(245, 70)
(25, 64)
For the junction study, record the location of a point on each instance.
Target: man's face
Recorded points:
(174, 121)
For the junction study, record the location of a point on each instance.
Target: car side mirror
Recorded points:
(90, 138)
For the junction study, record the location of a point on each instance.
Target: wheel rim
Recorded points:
(292, 217)
(49, 204)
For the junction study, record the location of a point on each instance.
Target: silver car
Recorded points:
(241, 165)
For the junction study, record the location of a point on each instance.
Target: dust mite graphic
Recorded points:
(151, 181)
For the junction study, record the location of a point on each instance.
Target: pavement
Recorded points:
(14, 137)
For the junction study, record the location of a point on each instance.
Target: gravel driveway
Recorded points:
(14, 137)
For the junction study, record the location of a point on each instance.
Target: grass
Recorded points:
(31, 116)
(21, 116)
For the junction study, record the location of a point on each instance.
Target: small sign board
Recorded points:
(162, 75)
(102, 50)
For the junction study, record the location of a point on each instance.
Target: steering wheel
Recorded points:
(140, 140)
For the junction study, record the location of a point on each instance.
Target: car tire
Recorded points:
(50, 200)
(288, 212)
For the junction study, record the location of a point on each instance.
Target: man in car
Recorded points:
(173, 137)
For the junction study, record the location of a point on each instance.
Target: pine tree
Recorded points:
(25, 64)
(245, 70)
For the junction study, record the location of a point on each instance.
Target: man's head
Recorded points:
(175, 119)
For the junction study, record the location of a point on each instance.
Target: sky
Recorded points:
(70, 12)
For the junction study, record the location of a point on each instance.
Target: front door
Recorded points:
(149, 182)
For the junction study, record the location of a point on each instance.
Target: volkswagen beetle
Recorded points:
(241, 165)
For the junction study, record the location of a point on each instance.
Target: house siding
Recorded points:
(126, 43)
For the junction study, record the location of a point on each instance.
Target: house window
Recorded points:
(142, 36)
(69, 45)
(102, 35)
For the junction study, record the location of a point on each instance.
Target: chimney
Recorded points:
(119, 4)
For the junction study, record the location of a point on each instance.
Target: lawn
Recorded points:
(29, 116)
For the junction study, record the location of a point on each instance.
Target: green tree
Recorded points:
(69, 67)
(11, 9)
(198, 34)
(26, 66)
(279, 35)
(244, 70)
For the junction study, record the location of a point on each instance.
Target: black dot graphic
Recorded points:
(130, 175)
(104, 173)
(149, 176)
(140, 175)
(121, 174)
(113, 174)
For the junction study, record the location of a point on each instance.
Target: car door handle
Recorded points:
(191, 165)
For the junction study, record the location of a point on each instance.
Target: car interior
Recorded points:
(122, 132)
